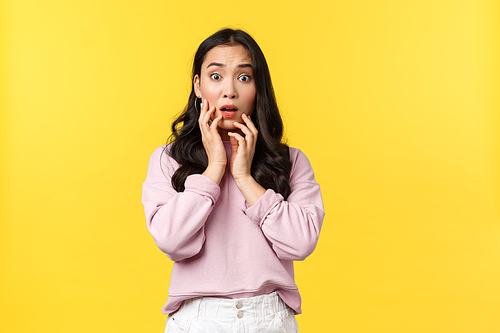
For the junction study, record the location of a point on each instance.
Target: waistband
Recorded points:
(263, 306)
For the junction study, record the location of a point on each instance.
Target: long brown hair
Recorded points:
(271, 164)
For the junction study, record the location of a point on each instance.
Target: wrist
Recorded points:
(217, 164)
(215, 171)
(243, 180)
(250, 189)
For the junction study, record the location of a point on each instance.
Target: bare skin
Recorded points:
(227, 87)
(242, 152)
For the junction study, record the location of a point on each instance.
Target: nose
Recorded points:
(230, 90)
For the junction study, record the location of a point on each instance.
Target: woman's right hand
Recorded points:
(212, 142)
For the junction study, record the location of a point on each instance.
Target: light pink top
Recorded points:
(220, 245)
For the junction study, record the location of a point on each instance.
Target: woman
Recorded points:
(229, 202)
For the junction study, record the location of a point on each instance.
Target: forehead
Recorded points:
(227, 55)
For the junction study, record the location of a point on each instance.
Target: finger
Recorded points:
(206, 115)
(205, 118)
(250, 124)
(239, 138)
(242, 127)
(234, 145)
(249, 135)
(203, 111)
(206, 107)
(209, 114)
(215, 123)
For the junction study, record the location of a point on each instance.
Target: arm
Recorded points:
(292, 226)
(176, 219)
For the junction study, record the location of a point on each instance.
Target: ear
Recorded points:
(196, 84)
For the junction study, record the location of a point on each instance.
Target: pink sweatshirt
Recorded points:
(220, 245)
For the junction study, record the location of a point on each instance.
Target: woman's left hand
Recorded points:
(240, 162)
(242, 148)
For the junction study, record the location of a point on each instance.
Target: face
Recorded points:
(226, 81)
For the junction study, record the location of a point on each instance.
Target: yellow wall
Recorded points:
(396, 103)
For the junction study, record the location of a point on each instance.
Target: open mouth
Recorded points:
(228, 111)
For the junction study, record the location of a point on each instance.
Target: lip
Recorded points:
(229, 114)
(229, 106)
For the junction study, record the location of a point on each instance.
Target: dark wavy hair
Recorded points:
(271, 164)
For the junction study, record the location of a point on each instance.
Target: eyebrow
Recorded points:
(222, 65)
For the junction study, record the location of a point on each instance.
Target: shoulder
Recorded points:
(160, 158)
(301, 167)
(160, 153)
(297, 156)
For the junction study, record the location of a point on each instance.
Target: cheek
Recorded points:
(249, 97)
(210, 96)
(207, 90)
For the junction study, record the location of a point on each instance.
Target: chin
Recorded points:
(227, 128)
(228, 123)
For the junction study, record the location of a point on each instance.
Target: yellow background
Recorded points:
(396, 104)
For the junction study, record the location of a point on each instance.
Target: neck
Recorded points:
(223, 134)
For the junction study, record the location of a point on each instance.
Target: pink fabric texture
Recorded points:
(222, 247)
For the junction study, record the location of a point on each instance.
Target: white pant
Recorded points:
(262, 314)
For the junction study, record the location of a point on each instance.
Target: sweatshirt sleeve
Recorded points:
(293, 225)
(176, 220)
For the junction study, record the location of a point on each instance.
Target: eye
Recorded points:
(245, 78)
(215, 76)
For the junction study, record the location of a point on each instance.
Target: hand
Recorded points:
(242, 148)
(212, 142)
(240, 162)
